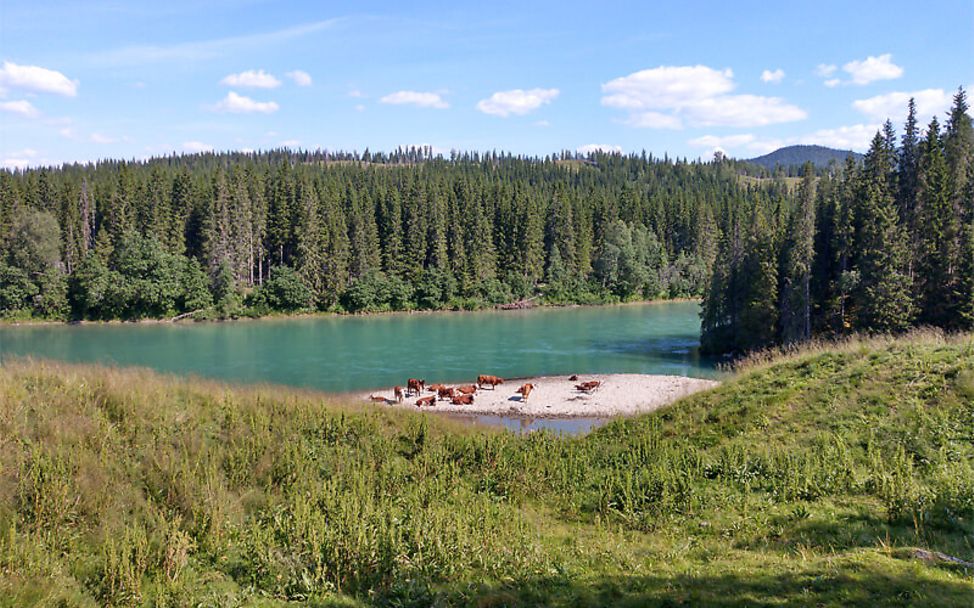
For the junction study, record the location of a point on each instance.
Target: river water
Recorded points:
(350, 353)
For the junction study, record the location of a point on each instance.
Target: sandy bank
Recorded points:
(556, 396)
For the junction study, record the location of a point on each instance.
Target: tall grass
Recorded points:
(127, 488)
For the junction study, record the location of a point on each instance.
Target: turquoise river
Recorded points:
(350, 353)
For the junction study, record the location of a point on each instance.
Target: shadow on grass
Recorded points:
(876, 580)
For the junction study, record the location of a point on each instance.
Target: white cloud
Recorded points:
(825, 69)
(359, 107)
(516, 101)
(668, 97)
(258, 79)
(356, 93)
(21, 106)
(893, 106)
(542, 123)
(36, 79)
(726, 141)
(196, 147)
(99, 138)
(416, 98)
(300, 78)
(773, 75)
(607, 148)
(852, 137)
(654, 120)
(66, 132)
(872, 69)
(15, 163)
(290, 143)
(833, 82)
(240, 104)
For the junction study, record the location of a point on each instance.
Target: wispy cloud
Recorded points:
(421, 99)
(516, 101)
(773, 76)
(20, 106)
(258, 79)
(197, 146)
(206, 49)
(607, 148)
(300, 78)
(36, 80)
(862, 71)
(240, 104)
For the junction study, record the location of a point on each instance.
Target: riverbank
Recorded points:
(324, 314)
(558, 397)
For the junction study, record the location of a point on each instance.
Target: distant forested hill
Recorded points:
(789, 156)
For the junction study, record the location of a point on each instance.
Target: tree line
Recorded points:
(227, 234)
(876, 247)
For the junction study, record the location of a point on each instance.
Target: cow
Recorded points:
(588, 387)
(573, 377)
(414, 386)
(426, 401)
(445, 392)
(398, 391)
(433, 388)
(525, 390)
(377, 398)
(462, 400)
(493, 381)
(467, 389)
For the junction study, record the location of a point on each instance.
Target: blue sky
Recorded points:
(87, 80)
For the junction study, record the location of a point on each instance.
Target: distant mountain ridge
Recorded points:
(820, 156)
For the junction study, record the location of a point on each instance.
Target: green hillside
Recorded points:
(796, 156)
(807, 480)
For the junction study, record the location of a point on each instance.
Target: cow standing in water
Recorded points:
(398, 392)
(414, 386)
(525, 390)
(493, 381)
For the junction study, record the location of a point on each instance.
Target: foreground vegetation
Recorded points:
(808, 479)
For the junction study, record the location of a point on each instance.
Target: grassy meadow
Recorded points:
(808, 478)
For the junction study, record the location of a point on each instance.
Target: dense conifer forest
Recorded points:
(231, 234)
(879, 245)
(873, 247)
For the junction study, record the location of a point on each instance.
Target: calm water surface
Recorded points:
(358, 353)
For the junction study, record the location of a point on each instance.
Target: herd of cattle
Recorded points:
(464, 394)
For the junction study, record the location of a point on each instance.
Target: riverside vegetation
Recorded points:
(805, 479)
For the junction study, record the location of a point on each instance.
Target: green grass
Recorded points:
(805, 479)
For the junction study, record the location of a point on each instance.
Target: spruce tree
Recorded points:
(883, 297)
(938, 234)
(796, 264)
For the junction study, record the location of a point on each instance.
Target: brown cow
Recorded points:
(378, 398)
(493, 381)
(398, 391)
(414, 386)
(467, 389)
(433, 388)
(462, 400)
(588, 387)
(525, 390)
(445, 392)
(573, 377)
(426, 401)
